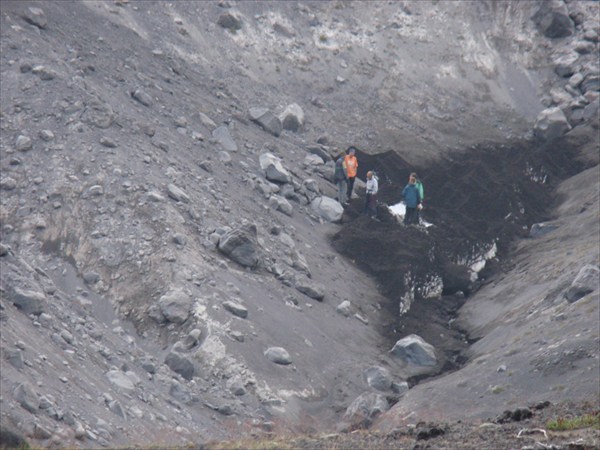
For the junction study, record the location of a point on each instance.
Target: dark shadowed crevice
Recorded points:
(487, 195)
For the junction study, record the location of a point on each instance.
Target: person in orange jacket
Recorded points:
(351, 166)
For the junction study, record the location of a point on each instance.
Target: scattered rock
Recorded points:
(28, 301)
(345, 308)
(35, 16)
(177, 194)
(23, 143)
(274, 170)
(278, 355)
(241, 245)
(365, 409)
(281, 204)
(292, 118)
(585, 282)
(328, 208)
(310, 289)
(553, 19)
(378, 378)
(230, 20)
(267, 120)
(414, 350)
(120, 380)
(25, 395)
(551, 123)
(236, 309)
(141, 96)
(223, 137)
(180, 364)
(175, 306)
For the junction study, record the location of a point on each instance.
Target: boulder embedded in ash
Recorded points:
(29, 301)
(230, 21)
(274, 170)
(310, 289)
(241, 245)
(541, 229)
(414, 350)
(281, 204)
(35, 16)
(267, 120)
(566, 65)
(278, 355)
(320, 151)
(175, 306)
(517, 415)
(365, 409)
(223, 137)
(553, 19)
(585, 282)
(292, 118)
(25, 395)
(177, 194)
(551, 123)
(236, 309)
(180, 364)
(327, 208)
(378, 378)
(142, 96)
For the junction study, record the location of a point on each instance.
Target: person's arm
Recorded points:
(375, 186)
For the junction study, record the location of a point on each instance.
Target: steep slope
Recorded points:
(161, 283)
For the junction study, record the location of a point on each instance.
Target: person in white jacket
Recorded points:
(371, 197)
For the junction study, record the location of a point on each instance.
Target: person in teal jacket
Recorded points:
(421, 194)
(412, 200)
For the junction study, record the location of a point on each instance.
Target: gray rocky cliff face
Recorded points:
(165, 250)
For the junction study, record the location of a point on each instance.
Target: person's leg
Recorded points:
(373, 206)
(350, 187)
(367, 204)
(407, 215)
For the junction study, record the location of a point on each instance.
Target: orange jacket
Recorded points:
(351, 164)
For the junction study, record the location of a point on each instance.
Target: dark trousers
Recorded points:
(350, 187)
(371, 205)
(411, 216)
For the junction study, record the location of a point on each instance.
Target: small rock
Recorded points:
(236, 309)
(107, 142)
(46, 135)
(23, 143)
(141, 96)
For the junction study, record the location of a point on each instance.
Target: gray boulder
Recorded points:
(223, 137)
(328, 208)
(177, 194)
(27, 300)
(236, 309)
(566, 65)
(180, 364)
(241, 245)
(141, 96)
(120, 380)
(320, 151)
(586, 281)
(292, 118)
(175, 306)
(310, 289)
(281, 204)
(25, 395)
(278, 355)
(274, 170)
(267, 120)
(345, 308)
(553, 19)
(551, 123)
(35, 16)
(230, 21)
(365, 409)
(23, 143)
(378, 378)
(414, 350)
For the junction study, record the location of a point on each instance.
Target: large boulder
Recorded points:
(327, 208)
(274, 170)
(281, 204)
(180, 364)
(365, 409)
(553, 19)
(551, 123)
(241, 245)
(267, 120)
(223, 137)
(175, 306)
(378, 378)
(28, 300)
(585, 282)
(414, 350)
(292, 118)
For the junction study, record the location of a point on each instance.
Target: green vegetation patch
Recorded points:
(575, 423)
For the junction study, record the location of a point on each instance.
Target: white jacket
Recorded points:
(372, 186)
